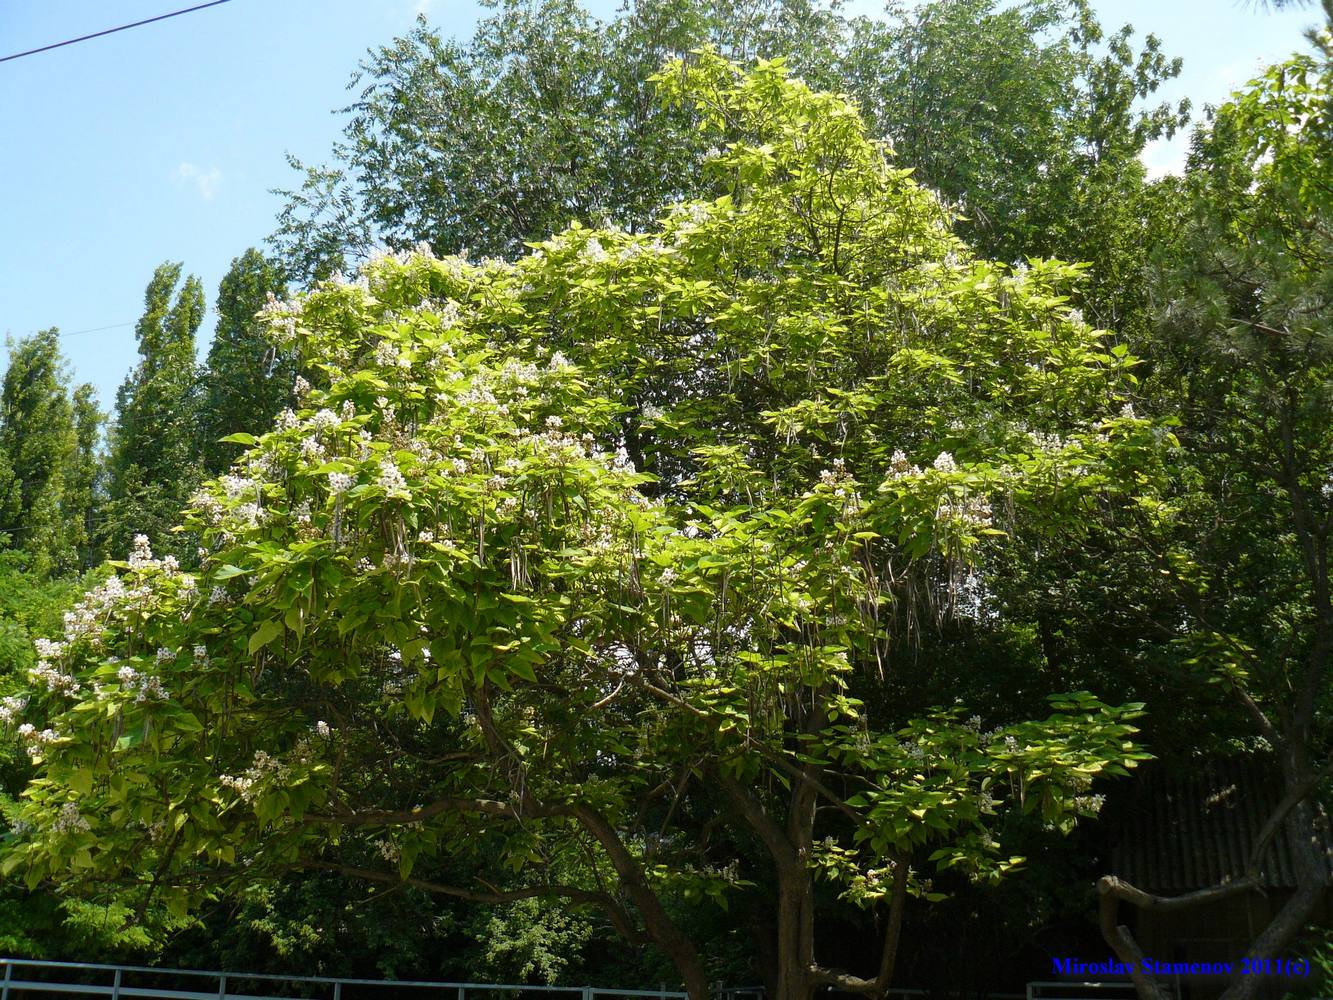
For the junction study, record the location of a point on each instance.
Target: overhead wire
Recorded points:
(112, 31)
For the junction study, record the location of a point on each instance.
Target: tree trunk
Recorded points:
(1312, 882)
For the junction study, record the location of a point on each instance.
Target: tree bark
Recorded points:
(661, 928)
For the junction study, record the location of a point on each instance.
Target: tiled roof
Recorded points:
(1181, 831)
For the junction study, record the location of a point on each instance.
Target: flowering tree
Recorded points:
(569, 562)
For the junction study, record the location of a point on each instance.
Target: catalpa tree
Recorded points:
(570, 561)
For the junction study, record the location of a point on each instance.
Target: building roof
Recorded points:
(1179, 831)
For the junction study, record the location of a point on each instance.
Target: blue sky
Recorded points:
(163, 142)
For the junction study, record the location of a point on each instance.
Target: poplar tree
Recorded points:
(37, 438)
(248, 378)
(152, 466)
(84, 471)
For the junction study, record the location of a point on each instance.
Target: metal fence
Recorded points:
(1106, 990)
(21, 979)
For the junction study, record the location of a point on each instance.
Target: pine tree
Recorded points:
(38, 440)
(153, 467)
(248, 378)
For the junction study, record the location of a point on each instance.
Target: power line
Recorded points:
(112, 31)
(96, 329)
(112, 326)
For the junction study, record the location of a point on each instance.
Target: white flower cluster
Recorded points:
(29, 733)
(208, 505)
(514, 373)
(48, 649)
(48, 675)
(237, 486)
(70, 820)
(1045, 442)
(141, 555)
(145, 687)
(594, 251)
(287, 419)
(973, 511)
(322, 729)
(261, 768)
(340, 482)
(477, 393)
(835, 475)
(391, 479)
(901, 468)
(85, 621)
(1089, 803)
(690, 216)
(622, 461)
(11, 708)
(281, 317)
(387, 355)
(324, 420)
(944, 462)
(249, 515)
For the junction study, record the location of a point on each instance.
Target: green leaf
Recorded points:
(265, 634)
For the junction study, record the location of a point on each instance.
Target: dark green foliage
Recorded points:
(248, 378)
(544, 117)
(38, 439)
(1027, 116)
(84, 475)
(153, 463)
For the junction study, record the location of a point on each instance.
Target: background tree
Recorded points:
(247, 379)
(37, 436)
(1245, 356)
(544, 117)
(1028, 116)
(152, 465)
(83, 489)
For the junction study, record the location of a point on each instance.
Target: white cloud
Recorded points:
(1166, 156)
(206, 181)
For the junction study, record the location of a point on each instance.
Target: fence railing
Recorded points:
(21, 978)
(1067, 990)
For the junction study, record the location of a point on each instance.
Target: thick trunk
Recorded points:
(793, 967)
(1312, 876)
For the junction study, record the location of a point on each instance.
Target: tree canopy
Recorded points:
(589, 580)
